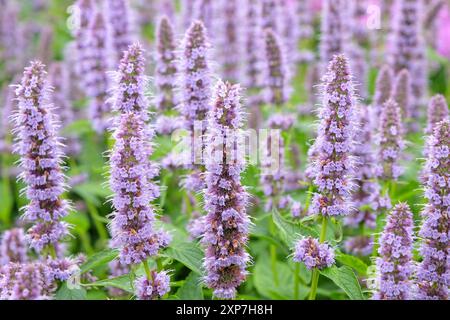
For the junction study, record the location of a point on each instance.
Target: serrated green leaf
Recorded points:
(122, 282)
(99, 259)
(191, 289)
(289, 231)
(64, 293)
(187, 253)
(353, 262)
(344, 278)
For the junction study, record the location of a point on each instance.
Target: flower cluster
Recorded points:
(383, 91)
(401, 93)
(118, 14)
(313, 254)
(85, 14)
(394, 266)
(334, 143)
(94, 77)
(151, 289)
(39, 148)
(276, 76)
(226, 223)
(13, 247)
(359, 245)
(437, 112)
(434, 271)
(166, 68)
(390, 142)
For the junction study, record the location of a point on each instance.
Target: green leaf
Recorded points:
(7, 201)
(289, 231)
(122, 282)
(78, 127)
(191, 289)
(187, 253)
(99, 259)
(344, 278)
(64, 293)
(92, 192)
(353, 262)
(265, 283)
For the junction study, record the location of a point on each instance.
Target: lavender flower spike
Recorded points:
(132, 225)
(390, 142)
(334, 143)
(226, 223)
(437, 112)
(118, 15)
(195, 81)
(434, 271)
(313, 254)
(39, 148)
(13, 247)
(95, 77)
(383, 91)
(276, 77)
(166, 68)
(394, 266)
(156, 287)
(401, 93)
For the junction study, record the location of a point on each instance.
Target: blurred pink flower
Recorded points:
(443, 45)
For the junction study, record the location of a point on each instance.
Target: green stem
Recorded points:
(316, 274)
(147, 270)
(296, 281)
(273, 253)
(309, 197)
(99, 226)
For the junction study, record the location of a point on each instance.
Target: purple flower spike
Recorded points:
(118, 15)
(359, 245)
(132, 226)
(226, 223)
(437, 112)
(203, 11)
(408, 48)
(270, 15)
(383, 91)
(313, 254)
(254, 45)
(13, 247)
(334, 144)
(95, 77)
(390, 142)
(195, 82)
(334, 32)
(434, 271)
(153, 289)
(129, 93)
(39, 148)
(166, 68)
(86, 12)
(395, 266)
(276, 77)
(401, 93)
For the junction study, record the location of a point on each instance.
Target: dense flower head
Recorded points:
(28, 281)
(313, 253)
(276, 76)
(394, 265)
(39, 149)
(366, 196)
(408, 47)
(334, 33)
(226, 222)
(390, 141)
(228, 41)
(434, 270)
(195, 80)
(129, 92)
(270, 15)
(154, 288)
(254, 45)
(118, 15)
(132, 226)
(401, 93)
(13, 246)
(359, 245)
(94, 77)
(86, 9)
(166, 68)
(204, 11)
(334, 143)
(437, 112)
(383, 90)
